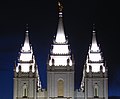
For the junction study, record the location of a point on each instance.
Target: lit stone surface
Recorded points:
(94, 82)
(26, 56)
(26, 46)
(60, 67)
(60, 37)
(94, 46)
(26, 77)
(60, 60)
(94, 58)
(60, 49)
(95, 67)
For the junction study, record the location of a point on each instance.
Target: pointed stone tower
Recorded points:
(26, 77)
(60, 66)
(95, 81)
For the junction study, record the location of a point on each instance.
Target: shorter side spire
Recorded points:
(26, 46)
(94, 46)
(94, 59)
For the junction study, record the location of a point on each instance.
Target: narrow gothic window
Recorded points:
(60, 86)
(96, 91)
(24, 90)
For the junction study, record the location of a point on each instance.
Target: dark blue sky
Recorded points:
(42, 17)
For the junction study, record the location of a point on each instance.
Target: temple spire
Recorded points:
(94, 58)
(26, 46)
(60, 54)
(60, 37)
(94, 46)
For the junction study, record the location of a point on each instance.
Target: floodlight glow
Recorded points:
(95, 56)
(60, 49)
(26, 48)
(25, 67)
(60, 52)
(60, 38)
(95, 67)
(60, 60)
(26, 56)
(94, 47)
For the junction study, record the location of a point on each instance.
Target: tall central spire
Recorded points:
(60, 53)
(60, 37)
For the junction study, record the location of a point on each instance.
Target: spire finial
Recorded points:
(27, 29)
(93, 28)
(60, 8)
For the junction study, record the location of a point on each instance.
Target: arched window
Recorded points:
(96, 92)
(24, 90)
(60, 86)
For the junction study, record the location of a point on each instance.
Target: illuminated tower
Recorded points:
(60, 66)
(26, 77)
(95, 81)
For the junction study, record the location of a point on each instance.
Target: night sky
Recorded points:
(42, 17)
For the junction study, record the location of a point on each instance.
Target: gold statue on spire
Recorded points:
(60, 6)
